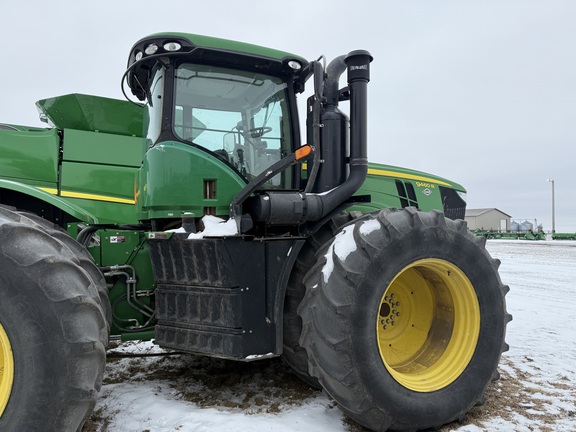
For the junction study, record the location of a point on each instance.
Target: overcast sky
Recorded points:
(480, 92)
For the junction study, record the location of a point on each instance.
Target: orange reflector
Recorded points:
(303, 151)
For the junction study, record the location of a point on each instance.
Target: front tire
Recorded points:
(53, 330)
(404, 320)
(293, 354)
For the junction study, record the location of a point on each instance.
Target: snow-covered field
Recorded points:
(147, 389)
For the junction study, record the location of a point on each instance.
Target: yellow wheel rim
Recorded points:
(428, 325)
(6, 369)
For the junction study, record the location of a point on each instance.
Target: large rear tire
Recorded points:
(81, 253)
(404, 320)
(53, 330)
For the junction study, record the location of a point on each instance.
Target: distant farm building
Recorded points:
(487, 219)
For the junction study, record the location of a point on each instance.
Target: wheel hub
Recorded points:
(389, 311)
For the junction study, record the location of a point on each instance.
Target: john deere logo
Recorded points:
(427, 192)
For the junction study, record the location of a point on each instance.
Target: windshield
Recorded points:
(240, 116)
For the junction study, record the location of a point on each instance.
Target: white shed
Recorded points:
(487, 219)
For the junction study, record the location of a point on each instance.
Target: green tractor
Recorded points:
(196, 217)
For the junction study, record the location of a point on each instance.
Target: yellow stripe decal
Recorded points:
(52, 191)
(396, 174)
(69, 194)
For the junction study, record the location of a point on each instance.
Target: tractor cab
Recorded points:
(231, 100)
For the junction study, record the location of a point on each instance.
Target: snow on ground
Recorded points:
(148, 389)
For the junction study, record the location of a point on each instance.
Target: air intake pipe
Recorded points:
(358, 65)
(292, 208)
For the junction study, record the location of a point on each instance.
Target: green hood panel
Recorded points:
(421, 178)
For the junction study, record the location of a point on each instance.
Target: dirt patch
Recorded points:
(98, 422)
(262, 386)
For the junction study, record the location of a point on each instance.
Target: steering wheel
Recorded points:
(260, 131)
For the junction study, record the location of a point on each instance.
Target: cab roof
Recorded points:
(207, 50)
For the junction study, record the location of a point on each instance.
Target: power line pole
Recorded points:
(553, 215)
